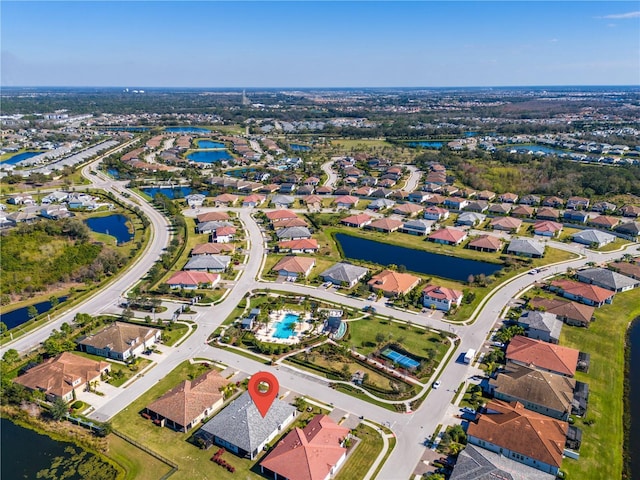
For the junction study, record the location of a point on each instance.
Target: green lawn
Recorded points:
(363, 456)
(137, 464)
(605, 341)
(173, 333)
(127, 372)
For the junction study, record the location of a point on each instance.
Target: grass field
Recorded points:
(137, 464)
(363, 456)
(601, 451)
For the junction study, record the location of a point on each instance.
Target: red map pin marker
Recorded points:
(263, 388)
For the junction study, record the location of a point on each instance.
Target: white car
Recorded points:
(436, 384)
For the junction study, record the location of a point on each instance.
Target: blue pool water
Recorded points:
(209, 156)
(426, 144)
(299, 148)
(19, 157)
(283, 327)
(187, 130)
(400, 359)
(209, 144)
(114, 225)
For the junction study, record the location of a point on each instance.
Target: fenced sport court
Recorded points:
(400, 359)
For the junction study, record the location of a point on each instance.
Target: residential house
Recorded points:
(417, 227)
(470, 219)
(435, 200)
(523, 211)
(193, 280)
(448, 236)
(195, 200)
(212, 226)
(306, 190)
(547, 228)
(436, 213)
(450, 190)
(385, 225)
(288, 222)
(357, 221)
(314, 452)
(539, 325)
(313, 202)
(508, 198)
(212, 248)
(293, 233)
(408, 209)
(538, 391)
(213, 217)
(224, 234)
(571, 313)
(386, 183)
(475, 463)
(208, 263)
(346, 201)
(521, 435)
(364, 191)
(593, 238)
(63, 376)
(312, 181)
(530, 200)
(582, 292)
(291, 267)
(456, 203)
(287, 188)
(324, 190)
(186, 405)
(629, 231)
(120, 341)
(500, 209)
(604, 222)
(486, 195)
(575, 216)
(547, 213)
(418, 196)
(380, 204)
(280, 215)
(543, 355)
(632, 211)
(554, 202)
(441, 298)
(305, 245)
(506, 224)
(241, 429)
(54, 197)
(400, 195)
(603, 207)
(393, 284)
(342, 191)
(577, 203)
(282, 201)
(344, 273)
(626, 268)
(605, 278)
(254, 200)
(381, 193)
(485, 243)
(526, 247)
(54, 212)
(270, 188)
(225, 200)
(478, 206)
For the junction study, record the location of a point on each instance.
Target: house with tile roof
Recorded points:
(186, 405)
(526, 247)
(508, 198)
(380, 204)
(577, 203)
(120, 341)
(313, 201)
(448, 236)
(575, 216)
(475, 463)
(539, 325)
(478, 206)
(626, 268)
(593, 237)
(225, 200)
(571, 313)
(346, 201)
(456, 203)
(213, 217)
(547, 213)
(547, 228)
(211, 226)
(632, 211)
(291, 267)
(314, 452)
(393, 284)
(344, 273)
(436, 213)
(254, 200)
(441, 298)
(523, 211)
(63, 375)
(305, 245)
(500, 209)
(282, 201)
(604, 222)
(604, 207)
(530, 200)
(606, 278)
(582, 292)
(224, 234)
(543, 355)
(553, 201)
(385, 225)
(436, 199)
(542, 392)
(358, 221)
(485, 243)
(212, 248)
(188, 280)
(506, 224)
(241, 429)
(408, 209)
(521, 435)
(288, 222)
(486, 195)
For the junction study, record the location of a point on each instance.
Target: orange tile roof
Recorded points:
(506, 223)
(547, 226)
(547, 356)
(393, 282)
(191, 277)
(442, 293)
(223, 231)
(605, 221)
(308, 453)
(312, 199)
(359, 219)
(408, 208)
(212, 248)
(590, 292)
(280, 214)
(528, 433)
(302, 244)
(212, 216)
(564, 308)
(388, 224)
(448, 234)
(348, 199)
(289, 222)
(226, 198)
(295, 264)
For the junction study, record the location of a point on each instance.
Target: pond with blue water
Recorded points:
(114, 225)
(418, 261)
(172, 193)
(536, 149)
(19, 157)
(426, 144)
(19, 316)
(299, 148)
(209, 156)
(209, 144)
(187, 130)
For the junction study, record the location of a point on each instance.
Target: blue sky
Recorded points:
(319, 44)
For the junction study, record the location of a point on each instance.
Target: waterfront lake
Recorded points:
(114, 225)
(299, 148)
(536, 149)
(634, 398)
(24, 452)
(209, 156)
(187, 130)
(19, 316)
(419, 261)
(209, 144)
(19, 157)
(425, 144)
(172, 193)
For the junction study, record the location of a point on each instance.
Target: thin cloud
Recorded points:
(622, 16)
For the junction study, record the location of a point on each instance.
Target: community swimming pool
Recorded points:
(400, 359)
(283, 327)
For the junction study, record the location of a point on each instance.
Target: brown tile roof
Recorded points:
(289, 222)
(294, 264)
(435, 200)
(190, 399)
(280, 214)
(448, 234)
(547, 226)
(442, 293)
(590, 292)
(302, 244)
(408, 209)
(531, 434)
(310, 199)
(547, 212)
(488, 242)
(348, 199)
(308, 453)
(226, 198)
(523, 211)
(604, 221)
(224, 231)
(212, 216)
(564, 308)
(388, 224)
(192, 277)
(562, 360)
(255, 198)
(626, 268)
(507, 223)
(212, 248)
(393, 282)
(120, 336)
(324, 189)
(60, 375)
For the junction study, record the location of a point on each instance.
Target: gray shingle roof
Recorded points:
(208, 262)
(475, 463)
(344, 272)
(543, 321)
(282, 200)
(606, 278)
(212, 225)
(593, 236)
(241, 424)
(525, 245)
(293, 232)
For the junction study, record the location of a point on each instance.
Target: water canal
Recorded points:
(634, 399)
(419, 261)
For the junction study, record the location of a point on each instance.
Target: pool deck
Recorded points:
(265, 334)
